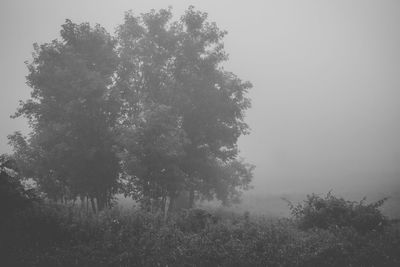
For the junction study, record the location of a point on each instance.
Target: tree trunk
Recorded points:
(102, 200)
(87, 205)
(167, 205)
(100, 203)
(93, 205)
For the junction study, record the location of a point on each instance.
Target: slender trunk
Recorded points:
(167, 204)
(93, 205)
(87, 205)
(100, 202)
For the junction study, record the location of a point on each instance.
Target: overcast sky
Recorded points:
(326, 78)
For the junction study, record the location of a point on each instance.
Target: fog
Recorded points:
(325, 104)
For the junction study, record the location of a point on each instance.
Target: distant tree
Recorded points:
(182, 113)
(72, 113)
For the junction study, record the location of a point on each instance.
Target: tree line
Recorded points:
(149, 112)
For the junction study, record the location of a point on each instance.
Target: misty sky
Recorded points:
(326, 78)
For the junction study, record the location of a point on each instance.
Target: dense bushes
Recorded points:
(55, 235)
(331, 211)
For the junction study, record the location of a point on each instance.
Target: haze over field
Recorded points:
(326, 78)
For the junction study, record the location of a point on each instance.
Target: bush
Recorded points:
(331, 211)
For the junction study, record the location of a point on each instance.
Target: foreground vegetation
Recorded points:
(322, 231)
(48, 234)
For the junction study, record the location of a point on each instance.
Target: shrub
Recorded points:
(332, 211)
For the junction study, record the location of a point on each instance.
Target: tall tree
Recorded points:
(72, 113)
(175, 94)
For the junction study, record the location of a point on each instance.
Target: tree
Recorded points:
(182, 113)
(153, 105)
(72, 113)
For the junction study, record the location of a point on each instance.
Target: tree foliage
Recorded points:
(72, 114)
(171, 78)
(152, 105)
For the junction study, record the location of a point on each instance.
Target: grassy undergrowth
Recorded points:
(57, 235)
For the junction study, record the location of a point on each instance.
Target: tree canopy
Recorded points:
(72, 115)
(150, 112)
